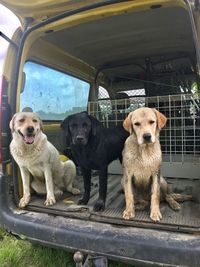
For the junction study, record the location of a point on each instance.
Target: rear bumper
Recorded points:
(138, 246)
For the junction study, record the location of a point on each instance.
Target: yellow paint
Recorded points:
(40, 10)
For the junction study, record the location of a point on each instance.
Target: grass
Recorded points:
(15, 252)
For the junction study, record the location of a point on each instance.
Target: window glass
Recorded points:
(51, 93)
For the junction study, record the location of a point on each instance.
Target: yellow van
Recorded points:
(107, 58)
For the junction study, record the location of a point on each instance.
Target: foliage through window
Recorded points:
(51, 93)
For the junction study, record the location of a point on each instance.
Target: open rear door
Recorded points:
(36, 11)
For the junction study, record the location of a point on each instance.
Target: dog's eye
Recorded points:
(34, 120)
(21, 120)
(137, 124)
(151, 122)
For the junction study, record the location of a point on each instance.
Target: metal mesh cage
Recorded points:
(180, 139)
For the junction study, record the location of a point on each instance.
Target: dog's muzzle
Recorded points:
(30, 130)
(80, 140)
(147, 138)
(29, 138)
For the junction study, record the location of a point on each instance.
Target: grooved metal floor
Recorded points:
(185, 220)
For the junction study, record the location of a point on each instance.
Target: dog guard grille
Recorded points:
(180, 139)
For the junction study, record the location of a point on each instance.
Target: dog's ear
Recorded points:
(95, 124)
(12, 123)
(40, 121)
(127, 124)
(65, 126)
(161, 119)
(41, 125)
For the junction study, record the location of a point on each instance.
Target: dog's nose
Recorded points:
(79, 139)
(147, 137)
(30, 130)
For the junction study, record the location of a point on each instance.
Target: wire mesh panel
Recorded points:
(180, 139)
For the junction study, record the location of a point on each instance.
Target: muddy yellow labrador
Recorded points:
(142, 158)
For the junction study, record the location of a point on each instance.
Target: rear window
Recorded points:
(51, 93)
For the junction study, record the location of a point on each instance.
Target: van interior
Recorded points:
(110, 62)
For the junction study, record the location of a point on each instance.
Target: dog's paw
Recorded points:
(155, 215)
(50, 201)
(75, 191)
(175, 205)
(99, 205)
(24, 201)
(83, 201)
(128, 214)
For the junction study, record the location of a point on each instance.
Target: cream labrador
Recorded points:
(36, 156)
(142, 158)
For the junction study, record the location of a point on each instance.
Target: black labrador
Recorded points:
(93, 147)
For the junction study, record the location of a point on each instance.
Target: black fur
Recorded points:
(93, 147)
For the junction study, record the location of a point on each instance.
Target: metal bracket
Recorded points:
(91, 261)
